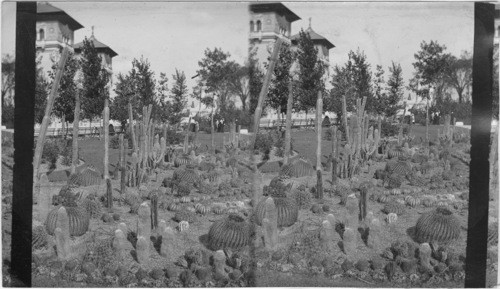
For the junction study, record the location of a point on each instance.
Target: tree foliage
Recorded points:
(95, 81)
(311, 71)
(255, 79)
(178, 97)
(217, 73)
(8, 82)
(459, 74)
(430, 65)
(379, 93)
(395, 90)
(41, 93)
(278, 89)
(64, 104)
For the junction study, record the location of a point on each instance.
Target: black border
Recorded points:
(482, 103)
(22, 200)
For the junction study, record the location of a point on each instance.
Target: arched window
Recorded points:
(252, 27)
(259, 25)
(42, 34)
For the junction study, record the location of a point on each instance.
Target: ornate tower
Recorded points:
(54, 30)
(268, 21)
(104, 51)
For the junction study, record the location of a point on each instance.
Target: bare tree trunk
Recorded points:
(76, 126)
(288, 129)
(106, 139)
(319, 112)
(48, 112)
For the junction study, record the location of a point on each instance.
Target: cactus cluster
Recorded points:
(277, 189)
(231, 232)
(92, 206)
(394, 207)
(40, 237)
(66, 197)
(78, 221)
(439, 225)
(287, 210)
(185, 215)
(303, 198)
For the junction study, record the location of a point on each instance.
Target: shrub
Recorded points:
(264, 143)
(114, 142)
(50, 153)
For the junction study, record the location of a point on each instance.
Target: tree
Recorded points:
(163, 105)
(119, 105)
(395, 90)
(255, 79)
(459, 73)
(64, 104)
(217, 73)
(178, 95)
(8, 82)
(95, 80)
(278, 89)
(240, 83)
(41, 93)
(311, 70)
(361, 79)
(379, 91)
(430, 67)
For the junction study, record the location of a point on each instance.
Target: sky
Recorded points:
(175, 35)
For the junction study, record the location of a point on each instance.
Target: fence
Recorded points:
(82, 131)
(296, 123)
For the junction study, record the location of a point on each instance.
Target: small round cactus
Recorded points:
(391, 218)
(303, 198)
(183, 226)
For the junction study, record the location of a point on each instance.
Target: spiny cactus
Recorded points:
(184, 188)
(297, 169)
(394, 181)
(89, 176)
(303, 198)
(493, 234)
(277, 189)
(394, 207)
(92, 206)
(391, 218)
(439, 225)
(287, 211)
(230, 232)
(39, 237)
(183, 226)
(184, 159)
(185, 215)
(78, 221)
(186, 175)
(66, 197)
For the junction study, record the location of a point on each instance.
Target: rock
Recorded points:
(347, 265)
(172, 272)
(203, 273)
(377, 263)
(88, 268)
(408, 266)
(71, 265)
(316, 209)
(362, 265)
(106, 218)
(294, 258)
(440, 268)
(156, 274)
(277, 255)
(141, 274)
(235, 275)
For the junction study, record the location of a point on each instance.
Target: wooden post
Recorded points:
(258, 110)
(131, 127)
(288, 129)
(319, 113)
(76, 126)
(48, 111)
(106, 139)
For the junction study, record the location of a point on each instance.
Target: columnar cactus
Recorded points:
(424, 254)
(375, 235)
(167, 239)
(144, 226)
(62, 235)
(350, 243)
(119, 244)
(270, 224)
(327, 234)
(142, 250)
(44, 197)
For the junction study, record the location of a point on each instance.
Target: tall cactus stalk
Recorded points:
(76, 126)
(186, 138)
(106, 138)
(48, 111)
(288, 129)
(131, 127)
(319, 112)
(122, 164)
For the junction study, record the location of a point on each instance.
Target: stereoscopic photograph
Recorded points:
(259, 144)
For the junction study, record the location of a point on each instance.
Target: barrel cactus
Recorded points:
(89, 176)
(185, 215)
(231, 232)
(66, 197)
(39, 237)
(78, 221)
(303, 198)
(394, 207)
(439, 225)
(287, 208)
(297, 169)
(92, 205)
